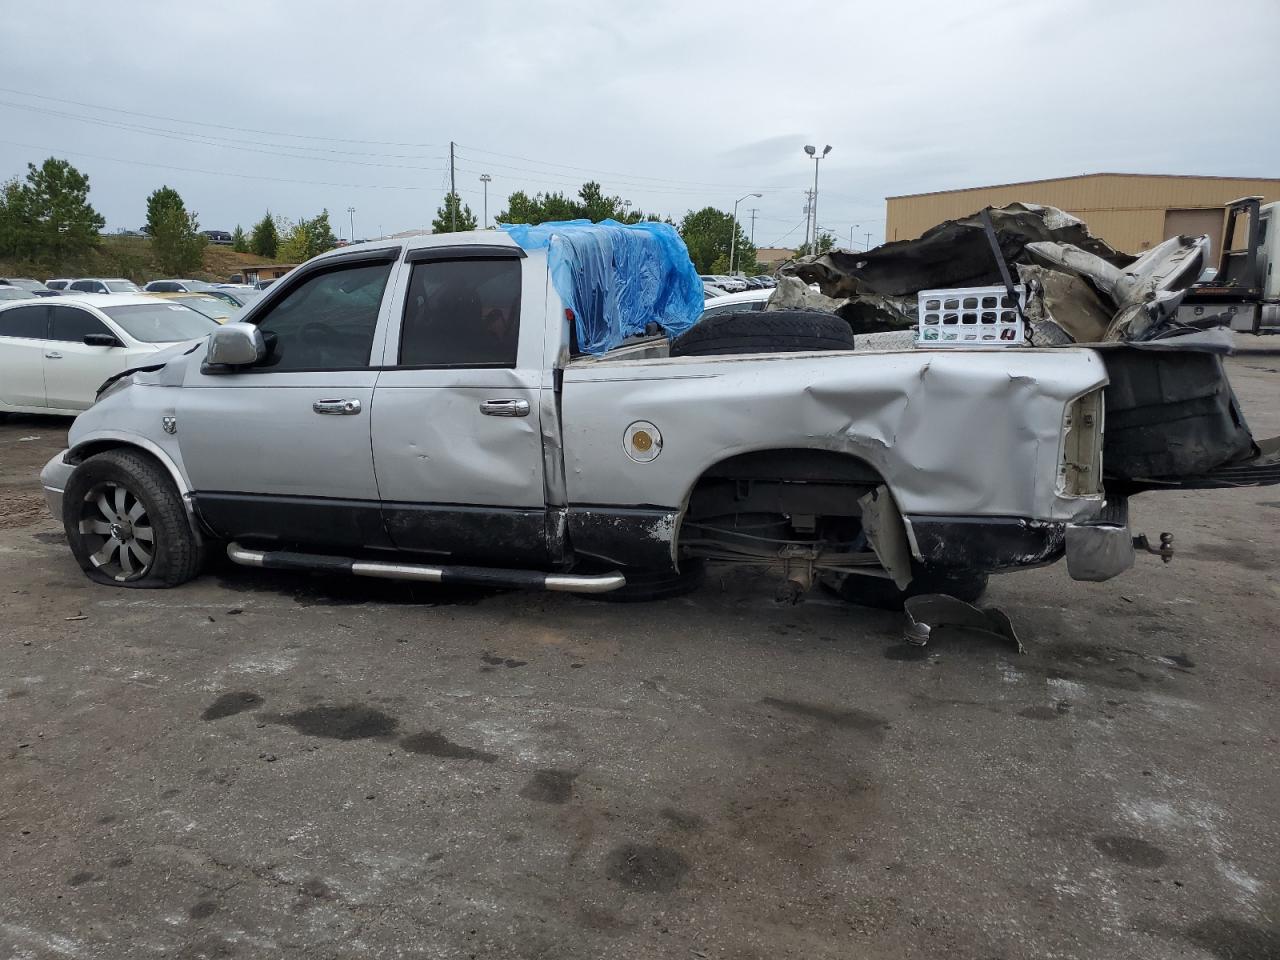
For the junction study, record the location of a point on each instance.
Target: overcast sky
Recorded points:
(299, 106)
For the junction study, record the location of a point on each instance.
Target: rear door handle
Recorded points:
(505, 408)
(53, 355)
(337, 407)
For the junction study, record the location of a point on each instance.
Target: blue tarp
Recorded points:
(617, 277)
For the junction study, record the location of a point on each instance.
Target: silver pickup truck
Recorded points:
(419, 410)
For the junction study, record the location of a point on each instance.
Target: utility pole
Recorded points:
(868, 239)
(808, 204)
(351, 212)
(453, 193)
(485, 178)
(813, 203)
(733, 238)
(753, 225)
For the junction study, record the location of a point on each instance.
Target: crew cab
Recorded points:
(421, 409)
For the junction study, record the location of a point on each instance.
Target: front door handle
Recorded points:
(337, 407)
(53, 355)
(505, 408)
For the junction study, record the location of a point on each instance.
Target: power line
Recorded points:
(215, 173)
(217, 126)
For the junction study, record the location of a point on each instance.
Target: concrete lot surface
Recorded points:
(261, 765)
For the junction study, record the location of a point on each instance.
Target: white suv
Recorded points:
(93, 285)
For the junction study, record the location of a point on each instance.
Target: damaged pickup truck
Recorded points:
(509, 409)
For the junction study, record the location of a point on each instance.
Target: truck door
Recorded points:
(279, 452)
(457, 443)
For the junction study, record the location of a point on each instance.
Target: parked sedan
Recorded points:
(58, 283)
(215, 308)
(177, 286)
(15, 293)
(55, 354)
(94, 285)
(34, 288)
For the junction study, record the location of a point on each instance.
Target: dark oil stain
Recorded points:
(549, 786)
(170, 793)
(646, 868)
(1273, 504)
(603, 920)
(202, 909)
(848, 719)
(906, 652)
(229, 704)
(320, 590)
(1230, 939)
(316, 888)
(486, 669)
(512, 837)
(496, 661)
(15, 694)
(435, 744)
(1056, 712)
(1179, 660)
(50, 537)
(108, 818)
(1131, 851)
(119, 863)
(83, 877)
(682, 820)
(349, 721)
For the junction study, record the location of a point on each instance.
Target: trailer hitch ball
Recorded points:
(1164, 551)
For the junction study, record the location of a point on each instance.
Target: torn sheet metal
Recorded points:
(882, 522)
(929, 611)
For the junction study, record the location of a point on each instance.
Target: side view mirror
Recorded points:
(235, 345)
(102, 340)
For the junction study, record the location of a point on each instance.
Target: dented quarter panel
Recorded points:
(962, 433)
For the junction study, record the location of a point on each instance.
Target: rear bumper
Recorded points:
(1095, 550)
(53, 478)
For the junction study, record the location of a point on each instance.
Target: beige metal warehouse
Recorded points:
(1131, 211)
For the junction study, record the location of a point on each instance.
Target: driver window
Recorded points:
(462, 313)
(327, 321)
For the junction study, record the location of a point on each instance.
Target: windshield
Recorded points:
(212, 307)
(28, 284)
(121, 286)
(160, 322)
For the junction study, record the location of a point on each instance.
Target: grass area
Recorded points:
(129, 257)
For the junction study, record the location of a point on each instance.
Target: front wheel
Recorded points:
(126, 524)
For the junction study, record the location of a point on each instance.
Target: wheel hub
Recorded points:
(121, 531)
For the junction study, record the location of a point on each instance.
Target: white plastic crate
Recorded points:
(970, 317)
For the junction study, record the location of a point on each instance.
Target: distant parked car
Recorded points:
(731, 284)
(177, 286)
(263, 284)
(54, 354)
(15, 293)
(34, 288)
(58, 284)
(218, 236)
(710, 291)
(114, 285)
(215, 308)
(238, 296)
(748, 302)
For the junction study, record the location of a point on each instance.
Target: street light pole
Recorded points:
(485, 178)
(351, 212)
(813, 204)
(733, 238)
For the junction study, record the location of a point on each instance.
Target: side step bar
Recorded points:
(472, 576)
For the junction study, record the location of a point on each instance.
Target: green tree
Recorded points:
(177, 241)
(239, 242)
(175, 233)
(51, 211)
(159, 201)
(16, 235)
(307, 238)
(826, 242)
(265, 239)
(708, 233)
(453, 216)
(591, 204)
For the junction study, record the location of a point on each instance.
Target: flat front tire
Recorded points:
(126, 523)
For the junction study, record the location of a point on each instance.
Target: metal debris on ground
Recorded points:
(929, 611)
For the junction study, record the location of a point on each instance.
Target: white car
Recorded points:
(178, 286)
(55, 354)
(59, 283)
(95, 285)
(748, 302)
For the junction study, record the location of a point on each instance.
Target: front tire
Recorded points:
(126, 523)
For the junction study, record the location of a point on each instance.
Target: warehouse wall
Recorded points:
(1126, 210)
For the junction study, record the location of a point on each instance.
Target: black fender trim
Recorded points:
(986, 544)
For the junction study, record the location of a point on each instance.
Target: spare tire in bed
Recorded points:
(777, 331)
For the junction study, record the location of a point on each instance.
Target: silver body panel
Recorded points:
(960, 433)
